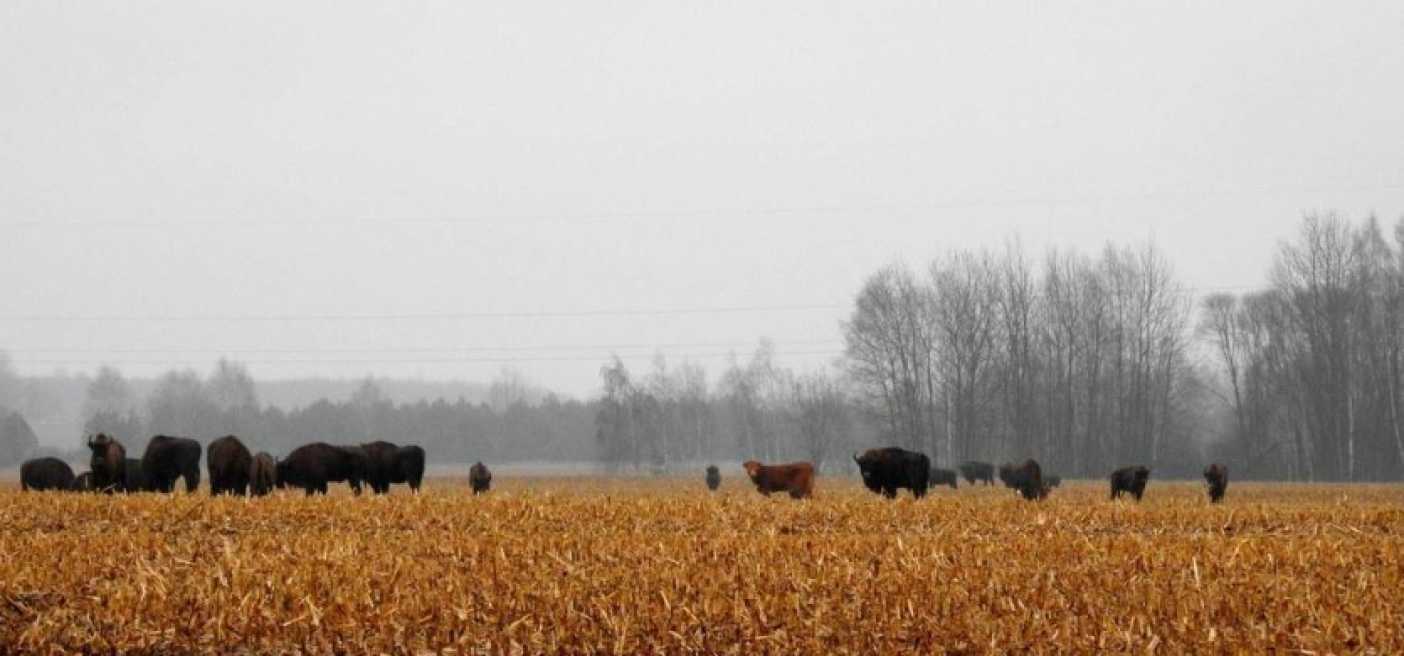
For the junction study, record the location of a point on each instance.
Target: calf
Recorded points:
(796, 478)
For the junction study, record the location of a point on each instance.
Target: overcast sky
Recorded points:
(567, 178)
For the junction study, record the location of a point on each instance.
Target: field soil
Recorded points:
(617, 565)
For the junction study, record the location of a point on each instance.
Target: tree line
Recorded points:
(1085, 362)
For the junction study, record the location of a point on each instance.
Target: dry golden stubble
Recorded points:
(585, 565)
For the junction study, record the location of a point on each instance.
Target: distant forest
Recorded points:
(1082, 361)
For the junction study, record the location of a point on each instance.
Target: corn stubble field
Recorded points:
(659, 565)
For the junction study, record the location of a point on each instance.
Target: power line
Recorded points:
(502, 360)
(450, 349)
(426, 316)
(625, 215)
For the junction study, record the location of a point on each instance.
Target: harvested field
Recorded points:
(659, 565)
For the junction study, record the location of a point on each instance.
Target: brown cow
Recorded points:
(797, 478)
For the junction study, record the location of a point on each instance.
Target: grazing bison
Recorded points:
(83, 483)
(796, 478)
(1129, 480)
(1026, 479)
(409, 466)
(977, 471)
(479, 478)
(713, 478)
(888, 469)
(230, 465)
(1216, 475)
(1052, 481)
(45, 474)
(170, 458)
(133, 477)
(312, 466)
(942, 477)
(380, 465)
(263, 473)
(108, 463)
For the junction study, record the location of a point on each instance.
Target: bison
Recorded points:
(713, 478)
(977, 471)
(479, 478)
(796, 478)
(380, 465)
(42, 474)
(312, 466)
(1129, 480)
(409, 466)
(170, 458)
(1026, 479)
(942, 477)
(83, 483)
(889, 469)
(263, 472)
(1216, 475)
(133, 477)
(230, 465)
(1052, 481)
(108, 463)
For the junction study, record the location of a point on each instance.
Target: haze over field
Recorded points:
(338, 189)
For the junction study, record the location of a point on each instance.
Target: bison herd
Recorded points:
(233, 469)
(887, 470)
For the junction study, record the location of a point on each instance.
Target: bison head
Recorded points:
(752, 468)
(99, 441)
(866, 469)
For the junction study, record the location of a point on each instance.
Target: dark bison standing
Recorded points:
(796, 478)
(230, 465)
(45, 474)
(380, 465)
(1129, 480)
(713, 478)
(409, 466)
(1216, 475)
(133, 477)
(108, 463)
(977, 471)
(942, 477)
(170, 458)
(889, 469)
(1052, 481)
(1026, 479)
(312, 466)
(83, 483)
(263, 474)
(479, 478)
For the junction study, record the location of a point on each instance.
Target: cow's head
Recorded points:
(752, 468)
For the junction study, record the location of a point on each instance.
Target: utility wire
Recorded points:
(449, 349)
(546, 314)
(625, 215)
(501, 360)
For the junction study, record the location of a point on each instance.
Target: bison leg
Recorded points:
(192, 479)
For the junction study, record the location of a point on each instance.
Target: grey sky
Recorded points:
(254, 159)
